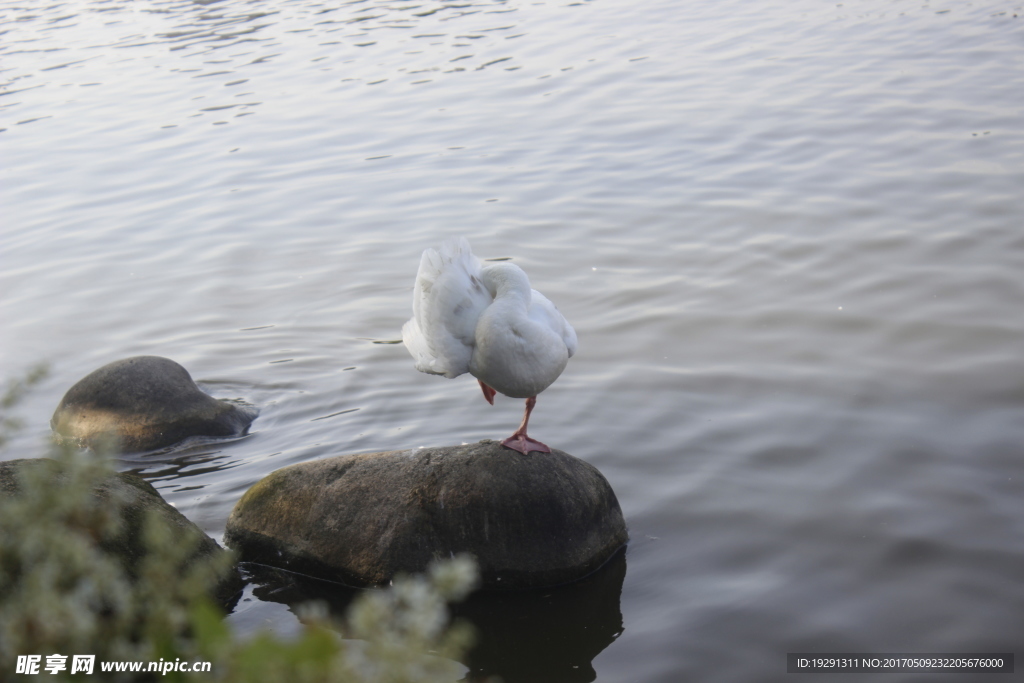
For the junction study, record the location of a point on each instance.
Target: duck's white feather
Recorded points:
(543, 312)
(485, 320)
(448, 298)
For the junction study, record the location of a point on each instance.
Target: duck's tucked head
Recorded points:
(506, 278)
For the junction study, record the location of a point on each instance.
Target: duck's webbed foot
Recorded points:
(520, 441)
(524, 444)
(488, 392)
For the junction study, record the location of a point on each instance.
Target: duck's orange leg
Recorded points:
(520, 441)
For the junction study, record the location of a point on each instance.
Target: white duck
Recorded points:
(485, 320)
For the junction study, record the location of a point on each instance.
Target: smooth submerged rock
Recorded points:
(530, 520)
(137, 499)
(144, 403)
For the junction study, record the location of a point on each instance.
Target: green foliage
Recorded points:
(15, 390)
(63, 591)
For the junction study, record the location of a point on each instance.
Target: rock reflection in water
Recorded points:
(537, 636)
(549, 635)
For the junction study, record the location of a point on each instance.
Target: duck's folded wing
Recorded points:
(543, 312)
(447, 301)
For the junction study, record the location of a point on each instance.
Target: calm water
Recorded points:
(789, 235)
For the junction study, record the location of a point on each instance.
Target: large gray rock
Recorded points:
(141, 404)
(530, 520)
(135, 500)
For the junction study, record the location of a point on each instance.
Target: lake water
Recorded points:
(788, 233)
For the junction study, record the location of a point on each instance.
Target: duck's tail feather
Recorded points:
(448, 298)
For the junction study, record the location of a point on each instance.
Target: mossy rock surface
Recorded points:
(530, 520)
(144, 403)
(136, 499)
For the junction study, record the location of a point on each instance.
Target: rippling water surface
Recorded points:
(789, 235)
